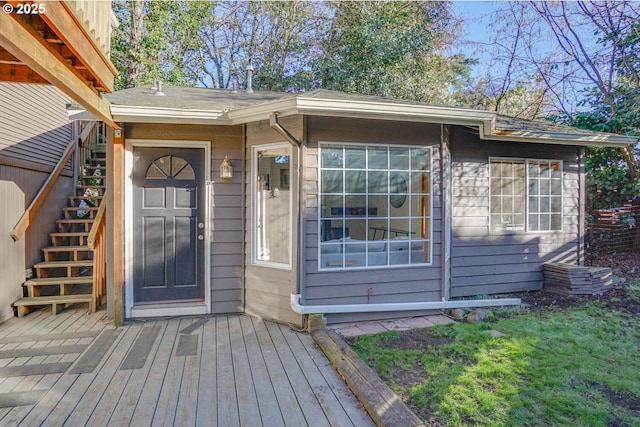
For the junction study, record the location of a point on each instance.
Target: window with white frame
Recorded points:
(526, 195)
(375, 206)
(272, 205)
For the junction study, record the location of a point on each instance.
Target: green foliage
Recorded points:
(391, 49)
(609, 183)
(612, 173)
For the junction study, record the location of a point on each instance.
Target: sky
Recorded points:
(477, 16)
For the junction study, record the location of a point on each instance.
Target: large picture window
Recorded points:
(526, 195)
(375, 206)
(272, 205)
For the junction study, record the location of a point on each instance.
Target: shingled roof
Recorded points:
(228, 107)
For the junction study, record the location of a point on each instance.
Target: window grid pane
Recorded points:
(375, 205)
(507, 196)
(538, 182)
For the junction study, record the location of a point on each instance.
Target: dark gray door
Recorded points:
(168, 224)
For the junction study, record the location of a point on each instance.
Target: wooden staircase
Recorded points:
(67, 274)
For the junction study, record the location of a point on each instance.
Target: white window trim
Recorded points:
(254, 179)
(319, 215)
(526, 206)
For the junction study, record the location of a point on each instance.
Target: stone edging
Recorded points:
(383, 406)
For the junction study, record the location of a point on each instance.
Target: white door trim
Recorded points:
(175, 309)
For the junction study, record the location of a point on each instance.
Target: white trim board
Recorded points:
(157, 310)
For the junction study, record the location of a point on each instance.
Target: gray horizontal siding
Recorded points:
(226, 250)
(34, 125)
(484, 262)
(374, 285)
(268, 290)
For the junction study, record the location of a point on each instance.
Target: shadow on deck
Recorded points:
(77, 369)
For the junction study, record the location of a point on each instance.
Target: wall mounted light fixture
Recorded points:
(226, 170)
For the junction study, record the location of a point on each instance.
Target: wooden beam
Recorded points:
(446, 197)
(28, 46)
(64, 23)
(30, 213)
(115, 218)
(19, 73)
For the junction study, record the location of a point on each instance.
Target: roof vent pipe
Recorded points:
(159, 91)
(249, 78)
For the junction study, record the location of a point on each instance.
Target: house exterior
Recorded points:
(28, 154)
(355, 207)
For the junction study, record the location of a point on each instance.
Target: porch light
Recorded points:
(226, 170)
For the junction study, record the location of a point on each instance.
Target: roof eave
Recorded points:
(364, 110)
(561, 138)
(140, 114)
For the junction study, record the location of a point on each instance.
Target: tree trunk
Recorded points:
(135, 42)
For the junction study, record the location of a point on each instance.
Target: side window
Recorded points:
(525, 195)
(272, 205)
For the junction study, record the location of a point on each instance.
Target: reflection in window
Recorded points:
(170, 167)
(375, 205)
(272, 204)
(526, 195)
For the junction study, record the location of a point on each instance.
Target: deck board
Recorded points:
(168, 399)
(226, 370)
(287, 400)
(145, 408)
(207, 413)
(270, 413)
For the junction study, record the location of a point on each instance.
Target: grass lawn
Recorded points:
(575, 366)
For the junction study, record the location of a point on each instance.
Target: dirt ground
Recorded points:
(624, 265)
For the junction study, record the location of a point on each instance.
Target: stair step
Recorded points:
(70, 268)
(74, 201)
(69, 234)
(94, 167)
(66, 248)
(73, 212)
(48, 281)
(75, 221)
(56, 302)
(61, 264)
(73, 238)
(74, 252)
(64, 284)
(71, 225)
(93, 177)
(82, 189)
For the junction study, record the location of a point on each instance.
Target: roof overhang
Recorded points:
(562, 138)
(142, 114)
(484, 121)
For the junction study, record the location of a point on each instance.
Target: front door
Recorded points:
(168, 225)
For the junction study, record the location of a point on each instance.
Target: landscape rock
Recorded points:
(479, 315)
(493, 333)
(457, 314)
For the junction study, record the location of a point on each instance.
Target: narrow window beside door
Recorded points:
(272, 205)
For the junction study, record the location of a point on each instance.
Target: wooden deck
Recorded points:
(77, 369)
